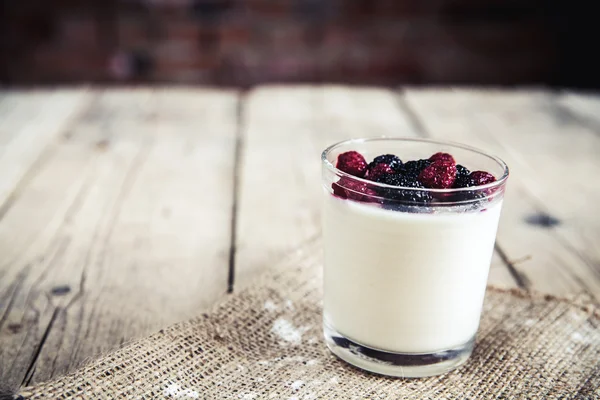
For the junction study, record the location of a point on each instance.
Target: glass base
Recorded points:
(403, 365)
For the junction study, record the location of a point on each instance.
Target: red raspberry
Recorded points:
(439, 175)
(338, 190)
(442, 157)
(353, 163)
(378, 170)
(347, 188)
(481, 178)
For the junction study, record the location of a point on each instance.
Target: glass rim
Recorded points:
(498, 183)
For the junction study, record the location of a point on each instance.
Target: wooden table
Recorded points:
(126, 210)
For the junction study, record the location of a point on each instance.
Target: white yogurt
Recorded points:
(405, 282)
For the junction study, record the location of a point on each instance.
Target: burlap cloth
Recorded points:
(265, 342)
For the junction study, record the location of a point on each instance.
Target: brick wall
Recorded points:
(243, 42)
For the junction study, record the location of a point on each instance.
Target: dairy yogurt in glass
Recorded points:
(404, 281)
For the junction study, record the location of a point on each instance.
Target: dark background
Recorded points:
(241, 43)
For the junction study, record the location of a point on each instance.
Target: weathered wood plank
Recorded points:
(29, 121)
(578, 108)
(124, 230)
(551, 164)
(275, 198)
(280, 195)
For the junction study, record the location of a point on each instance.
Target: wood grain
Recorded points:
(551, 163)
(29, 121)
(124, 230)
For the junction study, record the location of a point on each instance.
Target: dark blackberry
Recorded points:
(375, 171)
(461, 171)
(395, 196)
(464, 180)
(414, 168)
(396, 180)
(467, 195)
(393, 161)
(462, 177)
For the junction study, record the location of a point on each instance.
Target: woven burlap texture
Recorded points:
(265, 342)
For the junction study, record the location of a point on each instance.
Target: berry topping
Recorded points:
(414, 168)
(439, 175)
(352, 163)
(440, 171)
(347, 188)
(462, 177)
(481, 178)
(393, 161)
(375, 171)
(442, 157)
(412, 196)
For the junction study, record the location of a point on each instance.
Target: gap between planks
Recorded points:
(47, 136)
(237, 155)
(37, 165)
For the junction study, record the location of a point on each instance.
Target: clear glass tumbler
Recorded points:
(405, 268)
